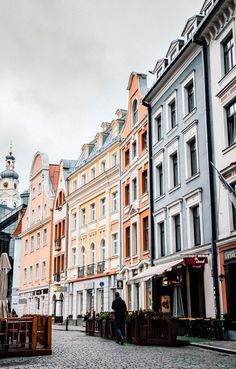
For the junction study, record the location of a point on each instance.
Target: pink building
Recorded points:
(36, 237)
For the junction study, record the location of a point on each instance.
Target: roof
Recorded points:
(175, 42)
(190, 21)
(142, 77)
(18, 228)
(54, 170)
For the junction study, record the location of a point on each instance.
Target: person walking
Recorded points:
(119, 307)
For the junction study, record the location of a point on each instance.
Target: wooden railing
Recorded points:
(26, 336)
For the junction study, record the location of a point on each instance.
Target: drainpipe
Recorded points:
(151, 197)
(211, 177)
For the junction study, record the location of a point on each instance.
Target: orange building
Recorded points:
(35, 265)
(135, 213)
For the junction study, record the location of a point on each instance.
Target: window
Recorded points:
(160, 180)
(114, 159)
(39, 212)
(103, 251)
(74, 185)
(127, 194)
(228, 50)
(38, 240)
(145, 234)
(158, 128)
(31, 274)
(193, 157)
(45, 236)
(134, 183)
(73, 256)
(92, 212)
(103, 166)
(190, 97)
(172, 114)
(63, 228)
(93, 173)
(234, 209)
(144, 181)
(115, 243)
(103, 207)
(25, 275)
(127, 157)
(31, 243)
(196, 225)
(175, 175)
(33, 192)
(37, 272)
(231, 123)
(83, 179)
(83, 256)
(190, 33)
(39, 188)
(173, 54)
(92, 253)
(134, 149)
(127, 241)
(115, 201)
(32, 216)
(144, 140)
(73, 222)
(134, 239)
(162, 237)
(83, 216)
(135, 111)
(44, 270)
(26, 246)
(177, 232)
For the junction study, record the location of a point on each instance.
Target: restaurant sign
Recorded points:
(60, 289)
(195, 261)
(229, 255)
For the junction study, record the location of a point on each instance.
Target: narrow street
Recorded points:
(74, 349)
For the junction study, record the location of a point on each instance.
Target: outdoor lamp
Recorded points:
(221, 277)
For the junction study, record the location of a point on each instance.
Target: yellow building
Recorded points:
(93, 211)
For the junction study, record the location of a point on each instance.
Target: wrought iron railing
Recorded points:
(90, 269)
(81, 272)
(101, 267)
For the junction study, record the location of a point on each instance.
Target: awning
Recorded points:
(154, 270)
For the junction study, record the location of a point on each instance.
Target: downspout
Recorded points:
(207, 87)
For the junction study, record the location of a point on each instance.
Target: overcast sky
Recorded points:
(65, 65)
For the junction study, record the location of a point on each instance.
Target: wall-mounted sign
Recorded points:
(195, 261)
(165, 304)
(101, 284)
(229, 255)
(60, 289)
(22, 300)
(119, 285)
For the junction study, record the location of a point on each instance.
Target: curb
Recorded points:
(214, 348)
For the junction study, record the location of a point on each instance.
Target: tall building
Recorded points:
(9, 183)
(93, 224)
(36, 238)
(135, 212)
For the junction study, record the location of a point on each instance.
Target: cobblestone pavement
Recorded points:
(75, 350)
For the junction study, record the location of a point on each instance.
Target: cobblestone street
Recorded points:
(75, 350)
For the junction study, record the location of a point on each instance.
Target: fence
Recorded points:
(26, 336)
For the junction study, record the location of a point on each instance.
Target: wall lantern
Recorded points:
(221, 277)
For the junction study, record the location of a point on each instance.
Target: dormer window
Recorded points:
(159, 72)
(190, 33)
(173, 55)
(135, 111)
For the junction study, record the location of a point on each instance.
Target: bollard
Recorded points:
(67, 322)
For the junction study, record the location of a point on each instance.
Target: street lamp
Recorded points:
(221, 277)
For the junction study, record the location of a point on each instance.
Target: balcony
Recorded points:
(81, 272)
(101, 267)
(90, 269)
(57, 277)
(57, 244)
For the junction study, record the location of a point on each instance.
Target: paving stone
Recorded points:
(75, 350)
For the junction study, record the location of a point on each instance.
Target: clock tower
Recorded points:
(9, 193)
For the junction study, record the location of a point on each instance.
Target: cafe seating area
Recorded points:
(26, 336)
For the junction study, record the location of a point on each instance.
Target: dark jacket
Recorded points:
(119, 306)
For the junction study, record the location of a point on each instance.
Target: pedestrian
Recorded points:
(13, 313)
(119, 306)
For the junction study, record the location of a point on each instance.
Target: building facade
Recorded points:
(93, 228)
(135, 212)
(9, 183)
(36, 238)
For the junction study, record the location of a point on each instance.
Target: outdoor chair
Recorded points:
(24, 331)
(3, 332)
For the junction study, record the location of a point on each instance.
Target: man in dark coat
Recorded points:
(119, 306)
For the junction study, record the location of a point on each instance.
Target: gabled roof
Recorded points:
(141, 77)
(205, 5)
(173, 44)
(18, 228)
(190, 22)
(159, 64)
(54, 170)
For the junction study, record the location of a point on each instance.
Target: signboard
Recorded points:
(230, 255)
(165, 304)
(119, 285)
(60, 289)
(101, 284)
(195, 261)
(22, 300)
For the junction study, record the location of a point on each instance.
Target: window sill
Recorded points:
(127, 258)
(145, 252)
(226, 75)
(160, 197)
(175, 188)
(192, 178)
(158, 143)
(229, 148)
(172, 130)
(189, 115)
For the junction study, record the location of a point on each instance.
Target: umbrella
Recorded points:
(5, 267)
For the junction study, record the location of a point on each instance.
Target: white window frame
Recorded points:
(157, 162)
(168, 102)
(31, 243)
(73, 221)
(173, 210)
(115, 243)
(36, 271)
(189, 134)
(83, 179)
(158, 113)
(92, 212)
(103, 207)
(115, 206)
(31, 274)
(159, 218)
(45, 236)
(26, 246)
(171, 150)
(83, 216)
(185, 84)
(73, 257)
(191, 200)
(25, 275)
(114, 159)
(93, 173)
(38, 240)
(44, 266)
(103, 166)
(134, 123)
(225, 35)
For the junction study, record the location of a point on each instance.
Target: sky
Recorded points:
(65, 65)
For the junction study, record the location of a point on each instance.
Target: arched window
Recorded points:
(82, 256)
(135, 111)
(103, 250)
(92, 253)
